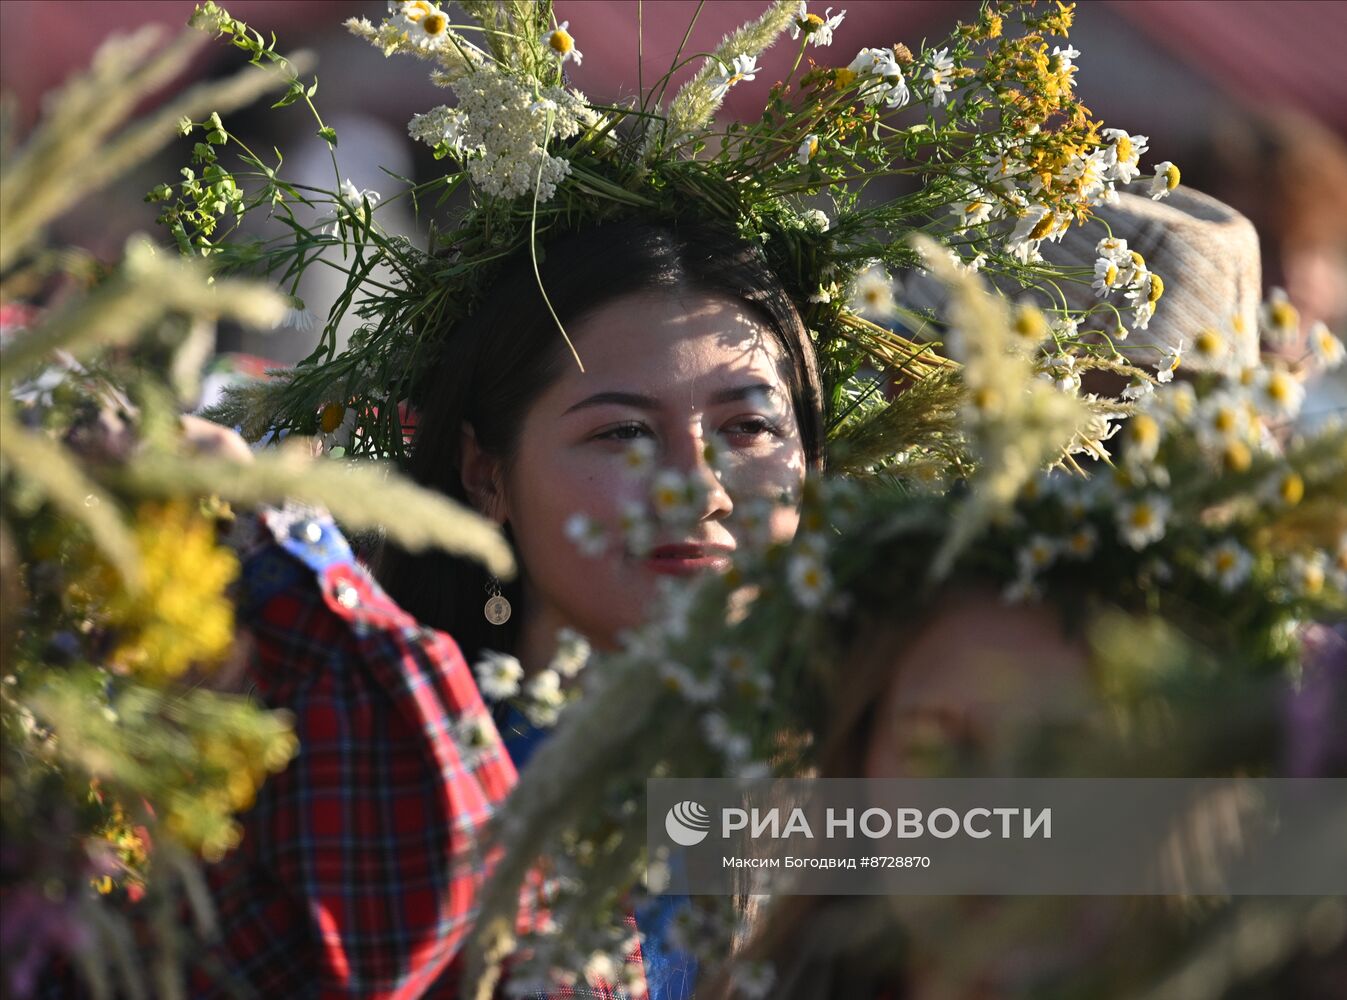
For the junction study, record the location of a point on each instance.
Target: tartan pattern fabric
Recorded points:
(359, 866)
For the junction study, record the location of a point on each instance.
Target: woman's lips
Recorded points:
(687, 560)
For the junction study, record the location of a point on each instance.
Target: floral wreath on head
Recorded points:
(987, 125)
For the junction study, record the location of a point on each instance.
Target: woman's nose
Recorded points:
(692, 457)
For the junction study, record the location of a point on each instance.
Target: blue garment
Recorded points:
(670, 974)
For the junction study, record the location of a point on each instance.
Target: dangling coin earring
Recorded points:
(497, 609)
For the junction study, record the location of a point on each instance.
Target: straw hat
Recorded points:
(1207, 254)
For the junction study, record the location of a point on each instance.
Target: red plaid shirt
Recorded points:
(359, 866)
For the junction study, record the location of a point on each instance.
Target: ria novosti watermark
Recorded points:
(1000, 836)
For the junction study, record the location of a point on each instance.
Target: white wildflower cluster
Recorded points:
(1120, 269)
(1218, 426)
(880, 78)
(501, 129)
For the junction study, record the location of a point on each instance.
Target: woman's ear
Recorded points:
(483, 480)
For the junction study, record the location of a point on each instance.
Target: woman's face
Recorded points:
(678, 370)
(977, 678)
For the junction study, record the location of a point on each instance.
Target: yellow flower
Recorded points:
(180, 616)
(844, 77)
(1291, 489)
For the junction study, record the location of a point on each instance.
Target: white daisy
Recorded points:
(1037, 555)
(818, 30)
(587, 534)
(816, 220)
(722, 736)
(1168, 364)
(809, 579)
(1278, 393)
(671, 496)
(807, 151)
(939, 74)
(1307, 573)
(1032, 227)
(1124, 154)
(881, 64)
(681, 681)
(872, 294)
(638, 458)
(1279, 318)
(498, 675)
(426, 26)
(1327, 349)
(741, 68)
(1141, 522)
(1081, 543)
(1229, 564)
(559, 42)
(1105, 276)
(638, 533)
(1166, 179)
(1064, 59)
(572, 655)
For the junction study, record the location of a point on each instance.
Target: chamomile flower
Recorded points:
(670, 495)
(1211, 348)
(638, 533)
(1284, 489)
(718, 732)
(587, 534)
(1125, 153)
(883, 75)
(809, 579)
(1166, 179)
(1037, 555)
(498, 675)
(1278, 393)
(1141, 522)
(638, 458)
(1033, 226)
(872, 295)
(973, 210)
(755, 522)
(543, 699)
(741, 68)
(425, 25)
(939, 74)
(1142, 434)
(818, 30)
(1106, 276)
(680, 680)
(1061, 372)
(559, 42)
(1279, 318)
(1307, 573)
(1327, 349)
(572, 655)
(1228, 564)
(1114, 248)
(807, 151)
(1169, 364)
(1081, 543)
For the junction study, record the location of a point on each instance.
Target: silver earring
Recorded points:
(497, 609)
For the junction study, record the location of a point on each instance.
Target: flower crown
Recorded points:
(992, 151)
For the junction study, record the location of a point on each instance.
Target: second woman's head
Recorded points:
(687, 340)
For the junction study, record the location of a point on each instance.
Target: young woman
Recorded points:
(358, 867)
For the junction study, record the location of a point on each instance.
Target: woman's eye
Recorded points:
(752, 427)
(622, 432)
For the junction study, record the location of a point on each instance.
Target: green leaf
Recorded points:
(328, 134)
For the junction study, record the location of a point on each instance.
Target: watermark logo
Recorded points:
(687, 823)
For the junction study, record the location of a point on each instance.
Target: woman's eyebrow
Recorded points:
(643, 402)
